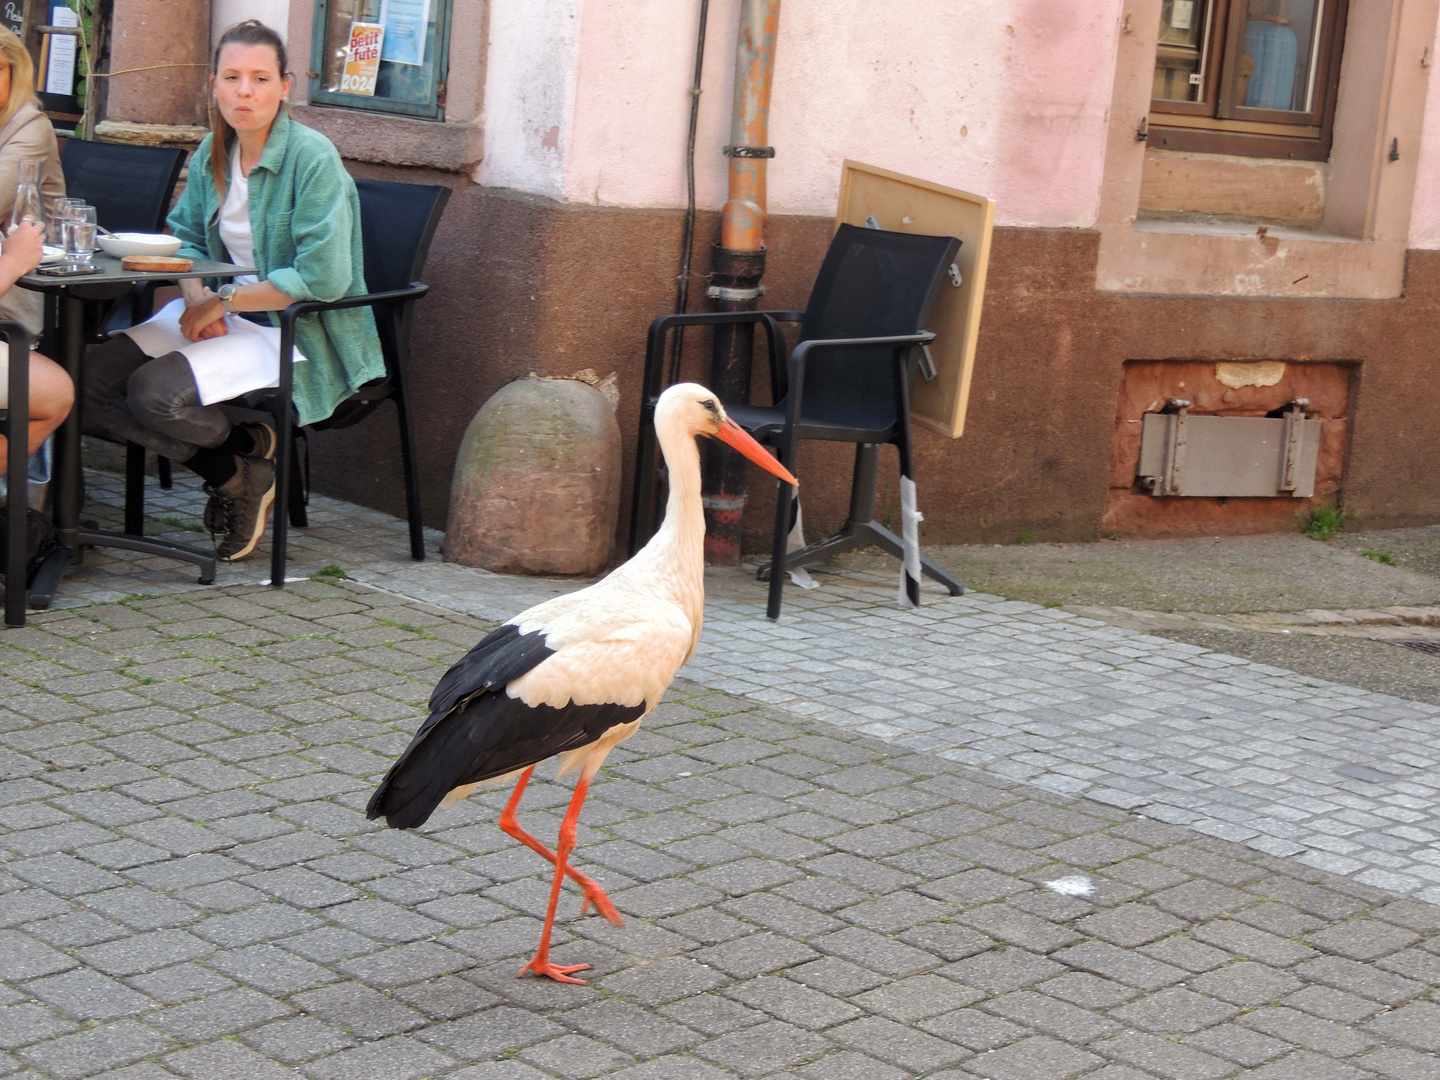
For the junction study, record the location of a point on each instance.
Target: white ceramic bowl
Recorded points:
(133, 243)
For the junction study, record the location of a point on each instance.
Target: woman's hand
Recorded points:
(25, 247)
(204, 319)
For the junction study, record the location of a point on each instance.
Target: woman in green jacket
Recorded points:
(274, 195)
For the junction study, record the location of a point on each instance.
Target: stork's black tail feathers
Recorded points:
(476, 732)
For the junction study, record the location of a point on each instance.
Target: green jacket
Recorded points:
(305, 215)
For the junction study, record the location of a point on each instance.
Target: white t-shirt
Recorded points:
(235, 231)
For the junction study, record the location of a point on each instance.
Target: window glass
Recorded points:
(1180, 61)
(1277, 58)
(382, 54)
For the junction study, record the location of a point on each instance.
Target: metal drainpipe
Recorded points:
(738, 262)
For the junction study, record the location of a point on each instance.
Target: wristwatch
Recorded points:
(226, 293)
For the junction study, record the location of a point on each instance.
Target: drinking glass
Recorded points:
(77, 233)
(62, 212)
(29, 205)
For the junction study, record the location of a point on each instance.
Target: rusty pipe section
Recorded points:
(742, 222)
(738, 264)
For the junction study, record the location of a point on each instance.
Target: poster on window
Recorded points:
(362, 59)
(406, 24)
(60, 56)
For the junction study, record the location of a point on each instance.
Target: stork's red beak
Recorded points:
(733, 435)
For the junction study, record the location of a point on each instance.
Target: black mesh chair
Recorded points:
(397, 223)
(130, 188)
(848, 380)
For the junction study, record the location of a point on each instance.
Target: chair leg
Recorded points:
(284, 455)
(135, 489)
(411, 468)
(167, 479)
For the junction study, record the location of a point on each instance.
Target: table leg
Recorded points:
(69, 480)
(17, 472)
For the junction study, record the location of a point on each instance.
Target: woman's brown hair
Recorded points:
(249, 32)
(22, 74)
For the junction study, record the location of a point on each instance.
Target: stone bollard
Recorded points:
(537, 483)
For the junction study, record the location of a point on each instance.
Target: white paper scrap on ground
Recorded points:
(1078, 885)
(910, 519)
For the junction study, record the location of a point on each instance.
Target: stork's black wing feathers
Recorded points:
(476, 732)
(502, 656)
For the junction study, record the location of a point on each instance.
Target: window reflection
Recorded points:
(1277, 62)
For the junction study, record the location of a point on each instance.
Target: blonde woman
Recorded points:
(25, 133)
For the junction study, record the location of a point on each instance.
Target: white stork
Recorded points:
(576, 674)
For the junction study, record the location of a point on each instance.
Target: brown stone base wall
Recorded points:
(521, 285)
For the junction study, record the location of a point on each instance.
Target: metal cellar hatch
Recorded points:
(1182, 454)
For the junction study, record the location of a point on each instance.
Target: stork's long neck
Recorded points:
(677, 550)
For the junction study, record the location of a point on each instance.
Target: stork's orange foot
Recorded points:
(554, 971)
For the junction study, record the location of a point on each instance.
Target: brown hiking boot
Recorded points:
(240, 508)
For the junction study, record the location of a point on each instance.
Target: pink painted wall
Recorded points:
(1425, 214)
(1008, 98)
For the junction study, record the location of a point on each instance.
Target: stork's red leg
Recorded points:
(511, 826)
(565, 844)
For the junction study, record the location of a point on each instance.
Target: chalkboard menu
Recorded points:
(12, 16)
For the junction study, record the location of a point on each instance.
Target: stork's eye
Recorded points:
(711, 405)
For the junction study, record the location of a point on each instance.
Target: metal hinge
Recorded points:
(440, 95)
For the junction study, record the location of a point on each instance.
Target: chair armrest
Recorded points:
(900, 343)
(394, 296)
(655, 341)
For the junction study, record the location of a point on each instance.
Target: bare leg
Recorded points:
(565, 844)
(511, 826)
(51, 396)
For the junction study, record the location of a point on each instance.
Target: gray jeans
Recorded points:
(130, 397)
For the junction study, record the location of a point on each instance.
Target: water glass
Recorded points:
(77, 235)
(63, 207)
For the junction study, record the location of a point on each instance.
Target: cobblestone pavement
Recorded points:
(188, 886)
(1343, 779)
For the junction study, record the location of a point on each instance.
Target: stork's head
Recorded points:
(699, 412)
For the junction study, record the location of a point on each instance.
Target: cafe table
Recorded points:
(74, 296)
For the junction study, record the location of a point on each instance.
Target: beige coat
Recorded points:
(29, 134)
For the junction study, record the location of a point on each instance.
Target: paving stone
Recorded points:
(1035, 1056)
(89, 996)
(221, 1060)
(364, 1012)
(1066, 1022)
(917, 998)
(898, 1044)
(1159, 1057)
(1238, 1044)
(1362, 939)
(1416, 1024)
(1306, 1066)
(1129, 925)
(293, 1041)
(396, 1058)
(1307, 1031)
(97, 1048)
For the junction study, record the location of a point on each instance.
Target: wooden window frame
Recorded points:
(1218, 125)
(432, 110)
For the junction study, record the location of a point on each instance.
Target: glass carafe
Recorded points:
(29, 204)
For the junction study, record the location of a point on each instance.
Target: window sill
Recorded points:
(396, 140)
(1236, 259)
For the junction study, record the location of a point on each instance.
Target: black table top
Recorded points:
(112, 273)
